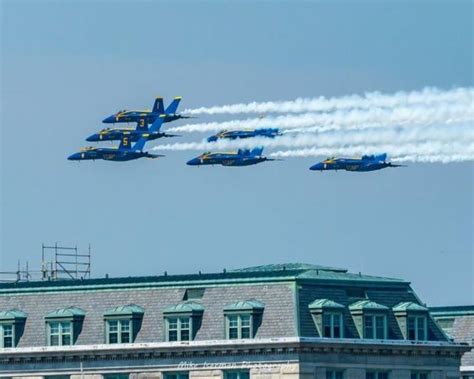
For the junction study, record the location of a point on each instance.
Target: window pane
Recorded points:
(233, 333)
(113, 325)
(382, 375)
(184, 322)
(173, 323)
(125, 325)
(368, 327)
(113, 337)
(370, 375)
(54, 327)
(173, 335)
(54, 340)
(245, 332)
(66, 327)
(185, 335)
(125, 337)
(380, 326)
(411, 328)
(337, 326)
(245, 319)
(420, 328)
(326, 325)
(233, 321)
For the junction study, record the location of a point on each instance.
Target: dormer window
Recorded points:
(370, 319)
(63, 326)
(243, 318)
(12, 324)
(413, 320)
(328, 318)
(182, 321)
(123, 323)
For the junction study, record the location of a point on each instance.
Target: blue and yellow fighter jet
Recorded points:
(242, 157)
(363, 164)
(149, 116)
(142, 130)
(125, 152)
(235, 134)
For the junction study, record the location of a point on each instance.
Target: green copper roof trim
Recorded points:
(185, 307)
(12, 315)
(247, 305)
(125, 310)
(288, 266)
(455, 310)
(408, 306)
(364, 305)
(325, 303)
(70, 312)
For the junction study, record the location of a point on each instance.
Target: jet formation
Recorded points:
(148, 128)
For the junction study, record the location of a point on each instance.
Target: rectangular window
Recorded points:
(176, 375)
(237, 374)
(419, 375)
(332, 325)
(417, 328)
(375, 327)
(334, 374)
(376, 375)
(179, 328)
(116, 376)
(60, 333)
(119, 331)
(6, 335)
(239, 326)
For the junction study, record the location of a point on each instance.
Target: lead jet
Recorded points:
(142, 130)
(125, 152)
(235, 134)
(365, 163)
(149, 116)
(242, 157)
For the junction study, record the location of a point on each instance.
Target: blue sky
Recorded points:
(67, 65)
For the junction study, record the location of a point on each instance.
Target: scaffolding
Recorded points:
(57, 263)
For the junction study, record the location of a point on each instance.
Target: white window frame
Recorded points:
(374, 317)
(333, 316)
(236, 374)
(120, 323)
(180, 320)
(2, 334)
(61, 332)
(240, 325)
(416, 319)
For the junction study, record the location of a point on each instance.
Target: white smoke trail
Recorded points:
(346, 119)
(427, 96)
(368, 137)
(441, 151)
(454, 158)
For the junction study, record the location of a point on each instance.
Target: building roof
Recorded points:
(66, 312)
(247, 305)
(456, 310)
(12, 315)
(324, 303)
(185, 307)
(364, 305)
(125, 310)
(409, 306)
(259, 274)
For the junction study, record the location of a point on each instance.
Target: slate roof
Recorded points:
(66, 312)
(286, 292)
(462, 329)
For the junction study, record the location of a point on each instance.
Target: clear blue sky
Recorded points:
(67, 65)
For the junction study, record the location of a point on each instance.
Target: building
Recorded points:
(267, 322)
(458, 324)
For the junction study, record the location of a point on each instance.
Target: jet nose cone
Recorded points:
(317, 166)
(74, 157)
(109, 120)
(93, 138)
(193, 162)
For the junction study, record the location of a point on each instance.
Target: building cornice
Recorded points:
(184, 350)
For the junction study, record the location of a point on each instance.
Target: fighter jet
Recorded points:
(149, 116)
(365, 163)
(242, 157)
(125, 152)
(234, 134)
(142, 130)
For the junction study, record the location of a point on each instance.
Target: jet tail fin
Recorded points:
(125, 142)
(173, 107)
(158, 106)
(156, 126)
(142, 125)
(256, 152)
(140, 144)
